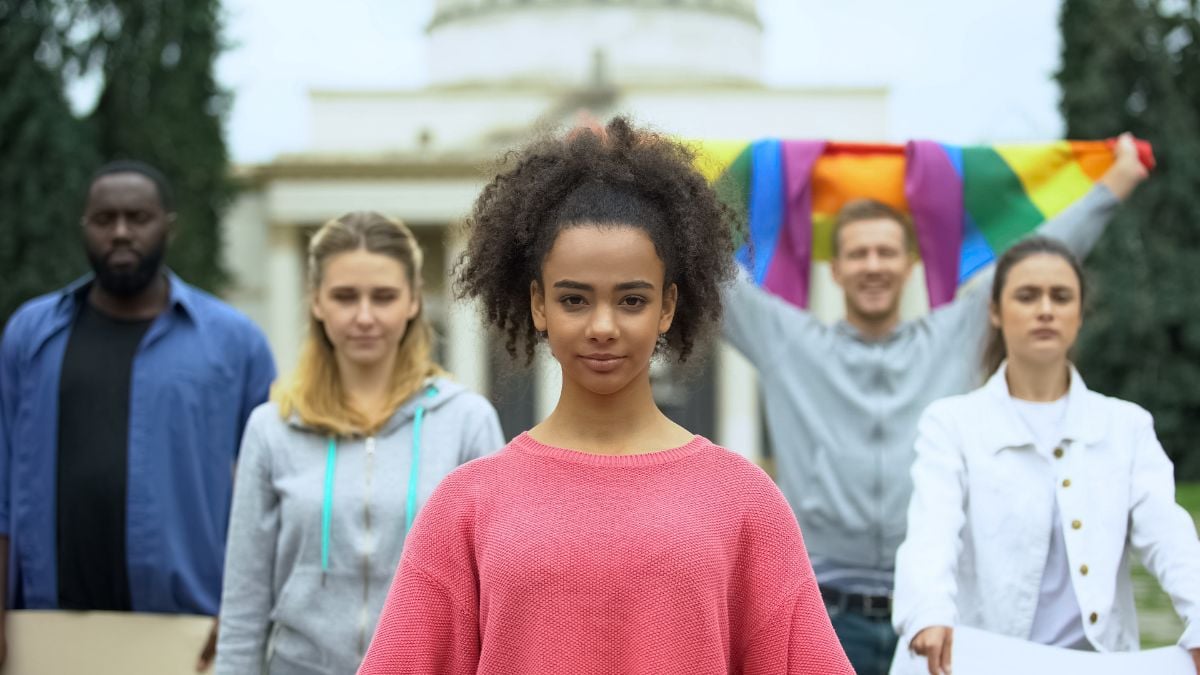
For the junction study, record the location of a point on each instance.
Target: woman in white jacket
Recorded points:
(1030, 492)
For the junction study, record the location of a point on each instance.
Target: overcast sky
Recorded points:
(960, 71)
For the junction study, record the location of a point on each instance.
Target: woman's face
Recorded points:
(1040, 309)
(365, 303)
(602, 304)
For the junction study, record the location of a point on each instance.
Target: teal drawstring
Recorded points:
(327, 505)
(410, 507)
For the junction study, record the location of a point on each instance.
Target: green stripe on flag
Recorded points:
(995, 197)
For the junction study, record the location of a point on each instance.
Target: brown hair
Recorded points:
(315, 391)
(618, 175)
(857, 210)
(995, 352)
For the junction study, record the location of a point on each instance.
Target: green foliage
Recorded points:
(159, 103)
(46, 158)
(1136, 66)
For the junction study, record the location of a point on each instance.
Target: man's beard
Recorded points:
(128, 282)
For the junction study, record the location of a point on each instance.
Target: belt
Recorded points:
(870, 606)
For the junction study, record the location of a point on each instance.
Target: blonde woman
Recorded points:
(334, 469)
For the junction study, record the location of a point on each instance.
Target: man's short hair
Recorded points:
(858, 210)
(166, 197)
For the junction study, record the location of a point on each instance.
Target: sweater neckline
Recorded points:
(526, 443)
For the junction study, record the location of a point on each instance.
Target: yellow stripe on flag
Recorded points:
(714, 157)
(1049, 172)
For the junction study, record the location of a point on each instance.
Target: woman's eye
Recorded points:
(571, 300)
(344, 297)
(383, 298)
(633, 301)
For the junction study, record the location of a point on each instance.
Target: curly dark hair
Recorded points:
(618, 175)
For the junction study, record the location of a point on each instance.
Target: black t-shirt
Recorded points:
(93, 440)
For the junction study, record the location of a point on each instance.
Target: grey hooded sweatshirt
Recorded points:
(293, 606)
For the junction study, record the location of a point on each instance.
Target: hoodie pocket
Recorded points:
(316, 620)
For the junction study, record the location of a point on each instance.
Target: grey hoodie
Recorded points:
(281, 613)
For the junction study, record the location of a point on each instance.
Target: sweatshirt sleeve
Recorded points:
(755, 321)
(797, 638)
(481, 432)
(247, 596)
(429, 623)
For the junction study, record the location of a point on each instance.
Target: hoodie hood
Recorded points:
(446, 391)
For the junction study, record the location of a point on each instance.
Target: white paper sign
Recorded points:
(978, 652)
(103, 643)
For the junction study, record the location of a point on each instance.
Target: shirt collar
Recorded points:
(181, 296)
(1005, 429)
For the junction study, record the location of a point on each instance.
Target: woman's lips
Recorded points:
(602, 363)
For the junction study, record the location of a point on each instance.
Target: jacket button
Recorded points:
(1075, 524)
(1066, 482)
(1094, 618)
(1058, 453)
(1083, 570)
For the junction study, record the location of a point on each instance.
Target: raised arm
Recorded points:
(1079, 226)
(755, 321)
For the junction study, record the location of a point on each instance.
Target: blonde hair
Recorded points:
(315, 392)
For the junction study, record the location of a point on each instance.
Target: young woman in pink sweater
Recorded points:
(607, 539)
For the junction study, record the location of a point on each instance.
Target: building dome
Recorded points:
(571, 42)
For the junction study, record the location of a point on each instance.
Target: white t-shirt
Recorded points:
(1058, 620)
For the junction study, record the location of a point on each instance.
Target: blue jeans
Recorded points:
(869, 642)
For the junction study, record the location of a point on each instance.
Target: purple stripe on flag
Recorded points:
(934, 190)
(788, 274)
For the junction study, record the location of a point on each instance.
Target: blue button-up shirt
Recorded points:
(200, 369)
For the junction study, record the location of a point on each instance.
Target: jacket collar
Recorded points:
(1004, 429)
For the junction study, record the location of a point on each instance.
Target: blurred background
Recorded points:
(273, 116)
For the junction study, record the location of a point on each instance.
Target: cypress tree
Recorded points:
(161, 104)
(1136, 66)
(45, 157)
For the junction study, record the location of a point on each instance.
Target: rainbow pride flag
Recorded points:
(967, 203)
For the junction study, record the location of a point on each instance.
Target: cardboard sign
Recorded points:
(104, 643)
(978, 652)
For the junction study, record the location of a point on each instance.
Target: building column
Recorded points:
(738, 404)
(286, 301)
(466, 336)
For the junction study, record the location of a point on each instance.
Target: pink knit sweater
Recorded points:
(545, 560)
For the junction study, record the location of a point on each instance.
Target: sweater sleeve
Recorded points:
(797, 638)
(422, 630)
(247, 596)
(429, 623)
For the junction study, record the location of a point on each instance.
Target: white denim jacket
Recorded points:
(979, 520)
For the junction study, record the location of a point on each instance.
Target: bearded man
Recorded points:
(122, 403)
